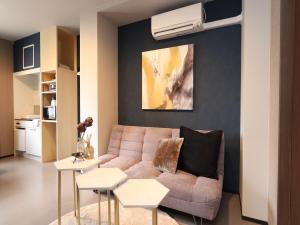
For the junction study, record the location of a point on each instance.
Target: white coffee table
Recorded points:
(144, 193)
(101, 179)
(68, 165)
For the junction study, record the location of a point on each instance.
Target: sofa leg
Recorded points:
(195, 220)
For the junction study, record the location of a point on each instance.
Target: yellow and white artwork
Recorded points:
(167, 78)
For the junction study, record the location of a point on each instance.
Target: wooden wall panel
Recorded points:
(6, 99)
(295, 156)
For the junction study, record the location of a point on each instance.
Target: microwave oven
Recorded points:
(49, 112)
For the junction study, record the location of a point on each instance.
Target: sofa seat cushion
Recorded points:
(106, 157)
(120, 162)
(207, 190)
(181, 184)
(143, 170)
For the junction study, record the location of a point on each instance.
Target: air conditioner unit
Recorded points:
(186, 20)
(178, 22)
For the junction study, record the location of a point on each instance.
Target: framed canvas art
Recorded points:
(167, 78)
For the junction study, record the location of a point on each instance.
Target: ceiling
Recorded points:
(19, 18)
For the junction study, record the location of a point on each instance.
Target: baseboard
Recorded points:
(6, 156)
(254, 220)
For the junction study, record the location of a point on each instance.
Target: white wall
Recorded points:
(255, 108)
(274, 112)
(108, 79)
(99, 76)
(89, 99)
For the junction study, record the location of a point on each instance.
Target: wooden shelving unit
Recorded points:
(58, 66)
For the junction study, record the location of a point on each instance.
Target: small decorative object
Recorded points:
(78, 156)
(84, 145)
(167, 78)
(89, 150)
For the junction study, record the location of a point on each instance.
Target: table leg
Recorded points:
(59, 198)
(74, 193)
(78, 205)
(109, 213)
(154, 216)
(99, 207)
(117, 216)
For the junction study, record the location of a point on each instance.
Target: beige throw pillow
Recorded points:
(167, 153)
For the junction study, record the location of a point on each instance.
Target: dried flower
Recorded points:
(81, 127)
(88, 122)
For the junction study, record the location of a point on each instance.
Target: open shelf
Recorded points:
(48, 92)
(58, 82)
(48, 121)
(66, 45)
(48, 82)
(48, 76)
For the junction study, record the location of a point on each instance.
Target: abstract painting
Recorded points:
(167, 78)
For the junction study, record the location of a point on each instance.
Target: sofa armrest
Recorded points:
(106, 158)
(208, 190)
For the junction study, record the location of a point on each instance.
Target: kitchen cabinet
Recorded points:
(33, 141)
(20, 139)
(27, 53)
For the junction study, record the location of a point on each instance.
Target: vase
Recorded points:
(80, 145)
(89, 152)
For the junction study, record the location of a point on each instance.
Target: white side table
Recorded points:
(68, 164)
(101, 179)
(144, 193)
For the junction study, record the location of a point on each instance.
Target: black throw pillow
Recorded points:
(200, 152)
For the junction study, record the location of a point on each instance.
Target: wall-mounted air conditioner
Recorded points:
(186, 20)
(178, 22)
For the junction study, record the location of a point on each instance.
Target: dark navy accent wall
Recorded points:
(217, 82)
(18, 52)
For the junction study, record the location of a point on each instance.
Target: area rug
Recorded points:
(128, 216)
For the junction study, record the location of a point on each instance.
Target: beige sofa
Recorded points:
(132, 149)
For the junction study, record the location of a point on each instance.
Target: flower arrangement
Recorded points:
(82, 127)
(88, 149)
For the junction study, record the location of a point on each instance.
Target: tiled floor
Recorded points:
(28, 196)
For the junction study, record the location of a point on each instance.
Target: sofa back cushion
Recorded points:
(176, 134)
(151, 139)
(115, 140)
(132, 142)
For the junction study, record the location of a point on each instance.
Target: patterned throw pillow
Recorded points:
(167, 153)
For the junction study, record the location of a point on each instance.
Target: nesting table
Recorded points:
(101, 179)
(69, 164)
(144, 193)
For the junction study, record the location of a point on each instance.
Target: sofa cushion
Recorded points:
(106, 157)
(132, 142)
(167, 153)
(115, 140)
(151, 139)
(143, 170)
(120, 162)
(200, 152)
(208, 190)
(181, 184)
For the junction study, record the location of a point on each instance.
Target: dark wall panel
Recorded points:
(18, 52)
(217, 86)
